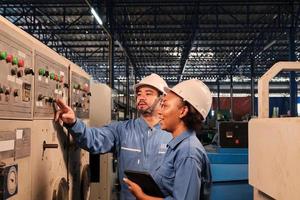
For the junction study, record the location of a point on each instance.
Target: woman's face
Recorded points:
(171, 112)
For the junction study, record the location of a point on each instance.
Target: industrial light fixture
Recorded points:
(96, 16)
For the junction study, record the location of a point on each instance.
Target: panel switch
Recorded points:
(28, 71)
(16, 92)
(20, 73)
(6, 90)
(13, 71)
(40, 97)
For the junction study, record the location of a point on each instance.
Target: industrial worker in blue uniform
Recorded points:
(140, 143)
(185, 172)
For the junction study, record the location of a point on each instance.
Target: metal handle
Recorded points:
(49, 146)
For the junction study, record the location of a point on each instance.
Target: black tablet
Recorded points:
(145, 181)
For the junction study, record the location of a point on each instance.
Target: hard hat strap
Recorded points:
(152, 107)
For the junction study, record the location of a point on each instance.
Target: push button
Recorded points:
(9, 58)
(52, 75)
(21, 63)
(3, 55)
(15, 60)
(86, 87)
(42, 71)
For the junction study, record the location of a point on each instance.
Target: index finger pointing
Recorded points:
(61, 104)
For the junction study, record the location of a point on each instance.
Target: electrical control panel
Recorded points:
(15, 153)
(49, 160)
(51, 82)
(16, 78)
(38, 159)
(233, 134)
(102, 167)
(80, 95)
(79, 159)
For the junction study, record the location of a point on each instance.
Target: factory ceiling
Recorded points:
(208, 40)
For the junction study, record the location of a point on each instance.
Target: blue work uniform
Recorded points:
(138, 146)
(185, 172)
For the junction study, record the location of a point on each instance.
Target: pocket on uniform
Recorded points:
(130, 157)
(166, 178)
(166, 172)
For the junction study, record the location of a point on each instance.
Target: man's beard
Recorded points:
(146, 110)
(150, 109)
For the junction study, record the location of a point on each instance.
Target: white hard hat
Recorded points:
(196, 93)
(153, 80)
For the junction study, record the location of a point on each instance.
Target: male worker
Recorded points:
(140, 144)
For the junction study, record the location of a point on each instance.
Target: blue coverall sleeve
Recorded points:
(187, 181)
(96, 140)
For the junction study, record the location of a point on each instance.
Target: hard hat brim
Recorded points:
(167, 89)
(136, 86)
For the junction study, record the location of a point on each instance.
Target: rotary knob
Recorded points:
(12, 180)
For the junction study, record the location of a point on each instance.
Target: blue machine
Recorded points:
(229, 168)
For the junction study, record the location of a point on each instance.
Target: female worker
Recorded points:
(185, 171)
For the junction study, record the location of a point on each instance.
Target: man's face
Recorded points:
(145, 97)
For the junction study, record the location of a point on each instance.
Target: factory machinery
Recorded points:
(229, 162)
(274, 146)
(38, 157)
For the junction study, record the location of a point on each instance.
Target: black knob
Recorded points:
(13, 71)
(46, 73)
(40, 97)
(50, 100)
(20, 73)
(29, 71)
(16, 93)
(89, 94)
(7, 91)
(66, 85)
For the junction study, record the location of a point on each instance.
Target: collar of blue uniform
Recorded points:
(177, 140)
(145, 126)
